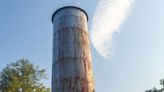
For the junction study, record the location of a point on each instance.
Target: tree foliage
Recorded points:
(157, 90)
(22, 76)
(154, 90)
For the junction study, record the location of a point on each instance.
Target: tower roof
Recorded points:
(68, 7)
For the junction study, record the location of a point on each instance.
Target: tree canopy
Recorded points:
(157, 90)
(22, 76)
(153, 90)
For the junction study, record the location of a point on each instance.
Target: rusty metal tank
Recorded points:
(72, 64)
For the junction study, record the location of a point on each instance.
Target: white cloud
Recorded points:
(108, 17)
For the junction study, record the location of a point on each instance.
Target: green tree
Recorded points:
(162, 82)
(22, 76)
(153, 90)
(157, 90)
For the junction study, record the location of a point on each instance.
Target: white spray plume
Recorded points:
(108, 17)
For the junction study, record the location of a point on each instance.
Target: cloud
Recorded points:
(108, 17)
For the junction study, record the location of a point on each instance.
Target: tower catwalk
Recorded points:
(72, 64)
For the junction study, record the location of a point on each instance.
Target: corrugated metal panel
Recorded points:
(72, 65)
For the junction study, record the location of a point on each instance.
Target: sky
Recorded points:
(137, 64)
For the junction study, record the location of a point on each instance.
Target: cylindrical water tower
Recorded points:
(72, 64)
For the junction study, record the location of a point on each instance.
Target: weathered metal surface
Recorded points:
(72, 65)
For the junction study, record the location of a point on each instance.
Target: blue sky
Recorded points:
(137, 65)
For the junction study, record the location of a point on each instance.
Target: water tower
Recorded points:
(72, 63)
